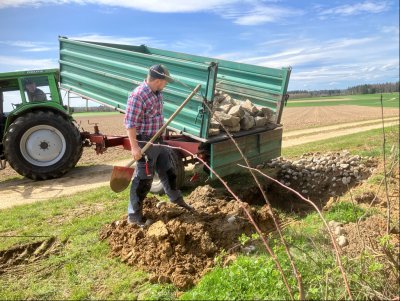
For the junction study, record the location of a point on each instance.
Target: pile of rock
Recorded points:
(339, 232)
(316, 174)
(237, 115)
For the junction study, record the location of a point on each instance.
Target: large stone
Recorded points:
(233, 129)
(225, 108)
(250, 107)
(228, 120)
(213, 132)
(260, 121)
(218, 98)
(226, 101)
(158, 230)
(342, 241)
(235, 102)
(228, 97)
(214, 124)
(236, 111)
(247, 122)
(266, 112)
(339, 231)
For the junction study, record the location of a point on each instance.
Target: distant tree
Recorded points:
(359, 89)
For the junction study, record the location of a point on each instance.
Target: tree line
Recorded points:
(359, 89)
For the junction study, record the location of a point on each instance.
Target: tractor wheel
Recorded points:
(42, 145)
(176, 160)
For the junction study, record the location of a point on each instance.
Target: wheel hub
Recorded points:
(42, 145)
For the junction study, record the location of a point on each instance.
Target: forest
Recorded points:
(359, 89)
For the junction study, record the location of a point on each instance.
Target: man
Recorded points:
(34, 94)
(143, 118)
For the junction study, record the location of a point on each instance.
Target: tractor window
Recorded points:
(11, 100)
(36, 89)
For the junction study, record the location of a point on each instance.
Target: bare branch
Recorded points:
(323, 219)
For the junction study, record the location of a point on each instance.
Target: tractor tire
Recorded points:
(42, 145)
(176, 160)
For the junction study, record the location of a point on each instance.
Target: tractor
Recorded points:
(38, 137)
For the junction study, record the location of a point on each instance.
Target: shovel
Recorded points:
(121, 175)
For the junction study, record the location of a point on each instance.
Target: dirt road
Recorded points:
(293, 138)
(17, 191)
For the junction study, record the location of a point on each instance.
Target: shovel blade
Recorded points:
(120, 178)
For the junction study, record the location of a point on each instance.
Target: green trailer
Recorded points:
(41, 141)
(106, 73)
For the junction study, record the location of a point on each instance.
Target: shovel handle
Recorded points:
(161, 130)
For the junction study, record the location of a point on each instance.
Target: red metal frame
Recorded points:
(102, 142)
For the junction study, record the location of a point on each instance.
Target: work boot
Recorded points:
(181, 203)
(136, 219)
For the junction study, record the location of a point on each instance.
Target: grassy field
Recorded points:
(390, 100)
(83, 269)
(365, 144)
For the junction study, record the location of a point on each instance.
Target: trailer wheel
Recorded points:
(42, 145)
(176, 160)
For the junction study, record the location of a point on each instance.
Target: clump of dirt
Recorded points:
(179, 247)
(28, 253)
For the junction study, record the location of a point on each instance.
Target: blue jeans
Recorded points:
(159, 161)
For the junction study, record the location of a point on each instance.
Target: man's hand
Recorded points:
(135, 149)
(136, 152)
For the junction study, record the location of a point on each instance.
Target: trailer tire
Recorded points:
(42, 145)
(176, 161)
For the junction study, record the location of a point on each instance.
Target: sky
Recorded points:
(331, 44)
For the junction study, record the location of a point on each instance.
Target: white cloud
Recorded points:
(247, 12)
(119, 40)
(256, 13)
(13, 63)
(311, 52)
(29, 46)
(334, 63)
(348, 72)
(160, 6)
(372, 7)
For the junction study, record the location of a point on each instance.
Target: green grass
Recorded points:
(248, 278)
(84, 269)
(367, 144)
(345, 212)
(390, 100)
(256, 277)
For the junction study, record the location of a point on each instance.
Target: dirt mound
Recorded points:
(28, 253)
(179, 247)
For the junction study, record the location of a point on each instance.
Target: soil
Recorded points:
(309, 117)
(22, 255)
(368, 237)
(179, 247)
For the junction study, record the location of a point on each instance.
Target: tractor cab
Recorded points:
(23, 90)
(37, 135)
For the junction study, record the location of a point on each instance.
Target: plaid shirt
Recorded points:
(144, 111)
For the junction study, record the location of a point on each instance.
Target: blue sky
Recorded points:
(329, 44)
